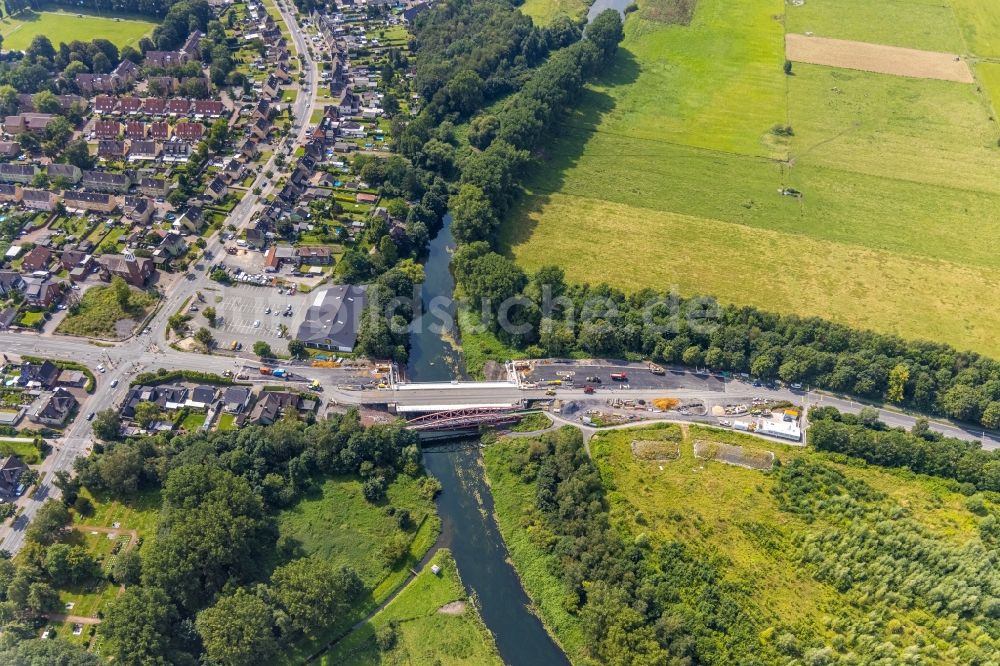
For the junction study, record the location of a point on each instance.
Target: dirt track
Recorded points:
(877, 58)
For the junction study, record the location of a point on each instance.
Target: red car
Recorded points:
(588, 389)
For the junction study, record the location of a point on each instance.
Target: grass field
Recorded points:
(26, 451)
(672, 155)
(543, 12)
(60, 26)
(423, 635)
(339, 525)
(100, 311)
(731, 516)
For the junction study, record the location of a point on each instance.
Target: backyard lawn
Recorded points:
(99, 312)
(60, 26)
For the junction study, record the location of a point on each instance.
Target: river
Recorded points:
(465, 504)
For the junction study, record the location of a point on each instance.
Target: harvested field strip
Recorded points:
(645, 449)
(877, 58)
(733, 455)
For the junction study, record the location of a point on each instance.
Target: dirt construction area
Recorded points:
(877, 58)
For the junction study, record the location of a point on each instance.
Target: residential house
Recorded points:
(235, 399)
(72, 379)
(130, 105)
(40, 291)
(135, 130)
(39, 199)
(107, 129)
(208, 108)
(67, 172)
(233, 171)
(333, 319)
(259, 129)
(105, 104)
(189, 131)
(200, 397)
(154, 187)
(139, 209)
(154, 106)
(38, 259)
(53, 409)
(176, 151)
(315, 256)
(44, 374)
(89, 201)
(171, 246)
(121, 78)
(71, 259)
(365, 198)
(272, 87)
(10, 149)
(103, 181)
(11, 469)
(10, 281)
(193, 219)
(159, 130)
(17, 173)
(27, 122)
(163, 85)
(7, 318)
(216, 189)
(143, 150)
(112, 150)
(134, 270)
(177, 106)
(164, 59)
(272, 404)
(262, 110)
(10, 192)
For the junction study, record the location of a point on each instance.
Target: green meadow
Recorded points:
(679, 155)
(61, 26)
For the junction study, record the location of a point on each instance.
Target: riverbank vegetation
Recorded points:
(686, 560)
(431, 622)
(259, 541)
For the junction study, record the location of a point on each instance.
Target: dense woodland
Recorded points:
(908, 595)
(207, 586)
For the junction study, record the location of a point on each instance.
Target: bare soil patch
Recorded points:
(645, 449)
(877, 58)
(454, 608)
(734, 455)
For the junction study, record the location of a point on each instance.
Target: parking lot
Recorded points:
(638, 374)
(247, 313)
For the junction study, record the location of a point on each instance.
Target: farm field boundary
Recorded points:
(877, 58)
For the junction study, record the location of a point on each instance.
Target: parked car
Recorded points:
(114, 383)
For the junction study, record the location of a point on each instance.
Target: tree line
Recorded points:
(922, 450)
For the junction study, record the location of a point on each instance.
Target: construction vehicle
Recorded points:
(619, 377)
(264, 370)
(315, 385)
(550, 392)
(656, 369)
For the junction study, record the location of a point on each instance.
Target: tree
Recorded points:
(40, 651)
(46, 102)
(868, 417)
(40, 47)
(898, 376)
(138, 626)
(8, 100)
(788, 67)
(122, 292)
(472, 214)
(297, 349)
(991, 415)
(963, 402)
(605, 31)
(237, 630)
(146, 413)
(204, 338)
(69, 565)
(313, 593)
(210, 315)
(77, 154)
(49, 523)
(262, 349)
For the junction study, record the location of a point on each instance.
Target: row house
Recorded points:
(143, 150)
(178, 106)
(135, 130)
(103, 181)
(67, 172)
(154, 187)
(189, 131)
(105, 104)
(26, 102)
(10, 149)
(120, 79)
(154, 106)
(89, 201)
(112, 150)
(159, 130)
(107, 129)
(176, 151)
(27, 122)
(129, 105)
(163, 85)
(10, 192)
(208, 108)
(39, 199)
(17, 173)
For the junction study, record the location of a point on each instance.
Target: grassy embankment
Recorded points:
(431, 622)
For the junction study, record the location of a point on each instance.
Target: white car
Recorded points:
(100, 368)
(256, 323)
(114, 383)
